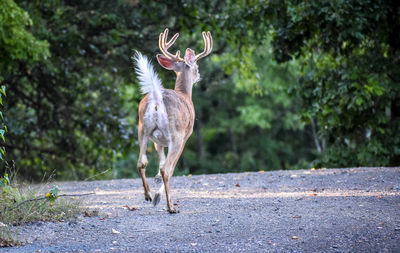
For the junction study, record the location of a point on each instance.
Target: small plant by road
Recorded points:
(21, 204)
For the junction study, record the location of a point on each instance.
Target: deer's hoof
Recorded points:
(158, 179)
(156, 199)
(173, 210)
(147, 197)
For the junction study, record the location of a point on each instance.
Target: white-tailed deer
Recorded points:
(167, 116)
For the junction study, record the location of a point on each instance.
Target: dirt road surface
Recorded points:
(328, 210)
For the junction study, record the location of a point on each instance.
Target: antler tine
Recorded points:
(172, 40)
(164, 45)
(211, 42)
(208, 45)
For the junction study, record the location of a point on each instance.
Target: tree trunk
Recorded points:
(232, 140)
(315, 137)
(199, 139)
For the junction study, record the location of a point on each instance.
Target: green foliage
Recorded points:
(16, 43)
(3, 130)
(290, 84)
(65, 113)
(348, 83)
(74, 114)
(4, 181)
(245, 128)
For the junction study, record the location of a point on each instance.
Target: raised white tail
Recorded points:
(148, 79)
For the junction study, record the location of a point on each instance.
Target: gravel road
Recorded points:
(328, 210)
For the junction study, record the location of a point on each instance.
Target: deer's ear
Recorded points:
(165, 61)
(190, 57)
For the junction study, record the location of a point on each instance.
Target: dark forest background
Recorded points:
(289, 84)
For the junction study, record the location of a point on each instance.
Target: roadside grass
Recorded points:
(24, 203)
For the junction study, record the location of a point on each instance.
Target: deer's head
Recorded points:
(186, 66)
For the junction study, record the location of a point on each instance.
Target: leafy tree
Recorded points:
(17, 44)
(349, 81)
(75, 112)
(242, 131)
(65, 113)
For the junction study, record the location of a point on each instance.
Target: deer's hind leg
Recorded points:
(161, 161)
(174, 151)
(142, 161)
(158, 178)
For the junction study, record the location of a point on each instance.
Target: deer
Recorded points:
(166, 116)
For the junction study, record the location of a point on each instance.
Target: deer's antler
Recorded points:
(208, 44)
(164, 45)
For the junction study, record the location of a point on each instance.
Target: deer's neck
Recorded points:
(184, 84)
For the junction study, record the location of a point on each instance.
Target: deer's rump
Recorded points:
(171, 115)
